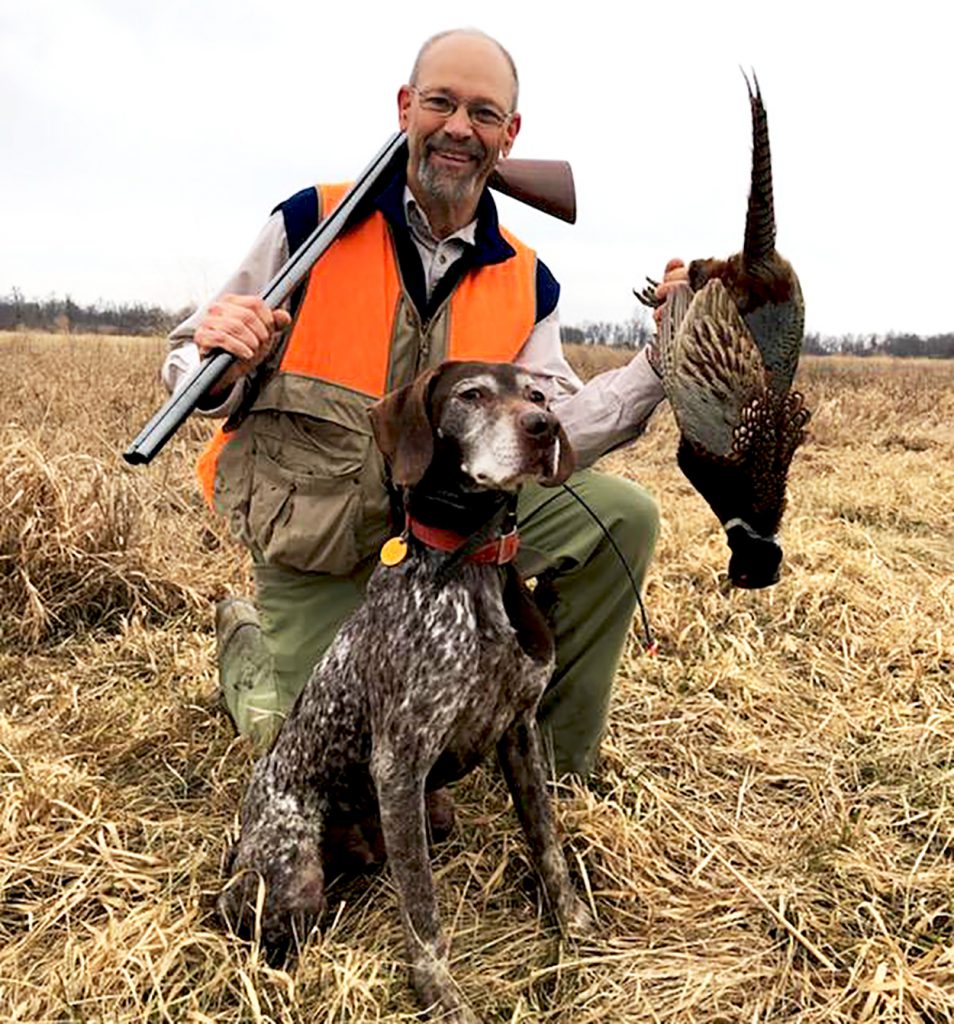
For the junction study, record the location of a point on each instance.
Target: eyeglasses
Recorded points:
(444, 104)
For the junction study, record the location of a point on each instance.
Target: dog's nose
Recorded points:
(538, 424)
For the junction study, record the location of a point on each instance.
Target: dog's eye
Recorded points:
(536, 396)
(471, 394)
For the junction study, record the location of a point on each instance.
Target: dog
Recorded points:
(446, 659)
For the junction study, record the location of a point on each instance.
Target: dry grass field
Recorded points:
(770, 836)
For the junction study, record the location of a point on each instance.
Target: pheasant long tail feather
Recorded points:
(760, 220)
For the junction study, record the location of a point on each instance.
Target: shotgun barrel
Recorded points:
(546, 185)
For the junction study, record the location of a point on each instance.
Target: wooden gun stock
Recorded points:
(546, 185)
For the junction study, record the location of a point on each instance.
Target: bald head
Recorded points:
(445, 46)
(459, 114)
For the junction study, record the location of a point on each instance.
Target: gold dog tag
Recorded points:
(393, 551)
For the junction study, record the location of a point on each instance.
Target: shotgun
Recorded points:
(546, 185)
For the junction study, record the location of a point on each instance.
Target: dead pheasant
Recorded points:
(728, 347)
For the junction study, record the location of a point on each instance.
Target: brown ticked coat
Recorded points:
(437, 667)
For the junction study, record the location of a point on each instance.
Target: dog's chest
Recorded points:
(451, 659)
(432, 670)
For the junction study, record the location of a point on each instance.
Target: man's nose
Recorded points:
(458, 124)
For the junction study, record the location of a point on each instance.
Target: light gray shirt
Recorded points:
(608, 411)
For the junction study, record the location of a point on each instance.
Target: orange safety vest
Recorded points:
(344, 326)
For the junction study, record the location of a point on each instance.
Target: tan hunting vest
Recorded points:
(300, 479)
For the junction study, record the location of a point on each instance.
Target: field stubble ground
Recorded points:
(770, 837)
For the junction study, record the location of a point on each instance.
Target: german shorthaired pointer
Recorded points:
(447, 657)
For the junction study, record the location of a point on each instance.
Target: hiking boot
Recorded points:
(246, 672)
(441, 815)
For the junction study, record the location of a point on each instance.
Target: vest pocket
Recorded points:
(305, 501)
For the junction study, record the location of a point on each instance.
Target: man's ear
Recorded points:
(402, 429)
(513, 127)
(404, 103)
(565, 462)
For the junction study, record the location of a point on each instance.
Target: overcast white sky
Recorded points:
(143, 144)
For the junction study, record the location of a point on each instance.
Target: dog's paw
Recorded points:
(438, 991)
(238, 901)
(462, 1014)
(576, 919)
(280, 900)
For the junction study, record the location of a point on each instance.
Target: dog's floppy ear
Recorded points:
(403, 431)
(565, 463)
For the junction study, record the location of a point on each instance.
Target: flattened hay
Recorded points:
(770, 836)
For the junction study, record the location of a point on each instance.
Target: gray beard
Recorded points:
(444, 187)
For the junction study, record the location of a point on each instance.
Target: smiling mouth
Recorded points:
(456, 159)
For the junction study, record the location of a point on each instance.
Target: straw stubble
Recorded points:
(769, 834)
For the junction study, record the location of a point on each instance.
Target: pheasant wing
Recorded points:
(674, 310)
(778, 328)
(712, 372)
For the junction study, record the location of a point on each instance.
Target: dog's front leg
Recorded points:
(400, 789)
(521, 759)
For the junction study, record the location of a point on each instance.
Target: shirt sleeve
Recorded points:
(608, 411)
(268, 254)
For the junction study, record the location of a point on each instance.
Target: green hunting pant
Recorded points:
(560, 542)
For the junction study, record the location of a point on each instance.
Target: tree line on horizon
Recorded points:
(63, 316)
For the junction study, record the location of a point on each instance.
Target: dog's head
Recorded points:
(486, 422)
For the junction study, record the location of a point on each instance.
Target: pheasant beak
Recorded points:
(755, 560)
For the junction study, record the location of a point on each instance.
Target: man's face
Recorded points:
(458, 118)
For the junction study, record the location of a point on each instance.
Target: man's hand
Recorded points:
(244, 326)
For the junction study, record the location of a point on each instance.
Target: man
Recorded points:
(429, 275)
